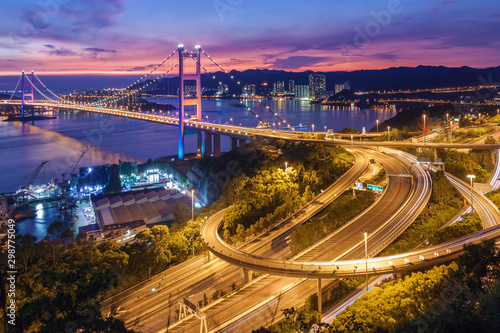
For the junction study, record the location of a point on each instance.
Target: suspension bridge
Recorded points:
(178, 77)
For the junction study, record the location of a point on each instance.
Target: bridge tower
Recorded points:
(30, 94)
(196, 101)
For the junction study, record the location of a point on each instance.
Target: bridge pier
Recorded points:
(320, 300)
(208, 144)
(247, 274)
(435, 153)
(200, 151)
(234, 143)
(242, 142)
(493, 151)
(210, 256)
(216, 144)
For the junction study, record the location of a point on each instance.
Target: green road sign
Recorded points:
(375, 188)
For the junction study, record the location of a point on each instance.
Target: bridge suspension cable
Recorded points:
(36, 88)
(126, 95)
(266, 107)
(154, 69)
(43, 85)
(15, 89)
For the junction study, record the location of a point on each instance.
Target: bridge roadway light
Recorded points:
(471, 177)
(365, 232)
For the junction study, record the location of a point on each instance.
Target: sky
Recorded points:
(67, 37)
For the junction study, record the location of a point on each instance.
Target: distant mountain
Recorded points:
(394, 78)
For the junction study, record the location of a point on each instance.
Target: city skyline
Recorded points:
(127, 37)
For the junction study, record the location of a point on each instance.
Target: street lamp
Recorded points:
(231, 120)
(192, 216)
(286, 165)
(389, 133)
(377, 125)
(325, 129)
(192, 204)
(366, 256)
(313, 127)
(471, 177)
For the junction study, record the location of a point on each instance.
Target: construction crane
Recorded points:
(20, 198)
(37, 171)
(22, 192)
(73, 168)
(66, 207)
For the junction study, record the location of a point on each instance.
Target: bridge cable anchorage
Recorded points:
(115, 99)
(36, 88)
(239, 100)
(15, 89)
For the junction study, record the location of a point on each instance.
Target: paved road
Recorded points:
(256, 309)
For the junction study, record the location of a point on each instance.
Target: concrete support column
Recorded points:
(247, 274)
(200, 149)
(234, 143)
(493, 151)
(242, 142)
(216, 145)
(210, 256)
(435, 153)
(208, 144)
(320, 300)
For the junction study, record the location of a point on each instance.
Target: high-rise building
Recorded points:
(340, 87)
(291, 86)
(279, 87)
(301, 91)
(222, 89)
(249, 90)
(317, 85)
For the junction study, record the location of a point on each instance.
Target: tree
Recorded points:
(27, 249)
(150, 251)
(349, 130)
(479, 266)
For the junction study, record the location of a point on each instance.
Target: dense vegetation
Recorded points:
(476, 162)
(494, 196)
(59, 287)
(273, 192)
(463, 135)
(328, 220)
(469, 224)
(443, 204)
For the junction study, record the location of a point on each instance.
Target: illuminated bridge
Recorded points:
(182, 70)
